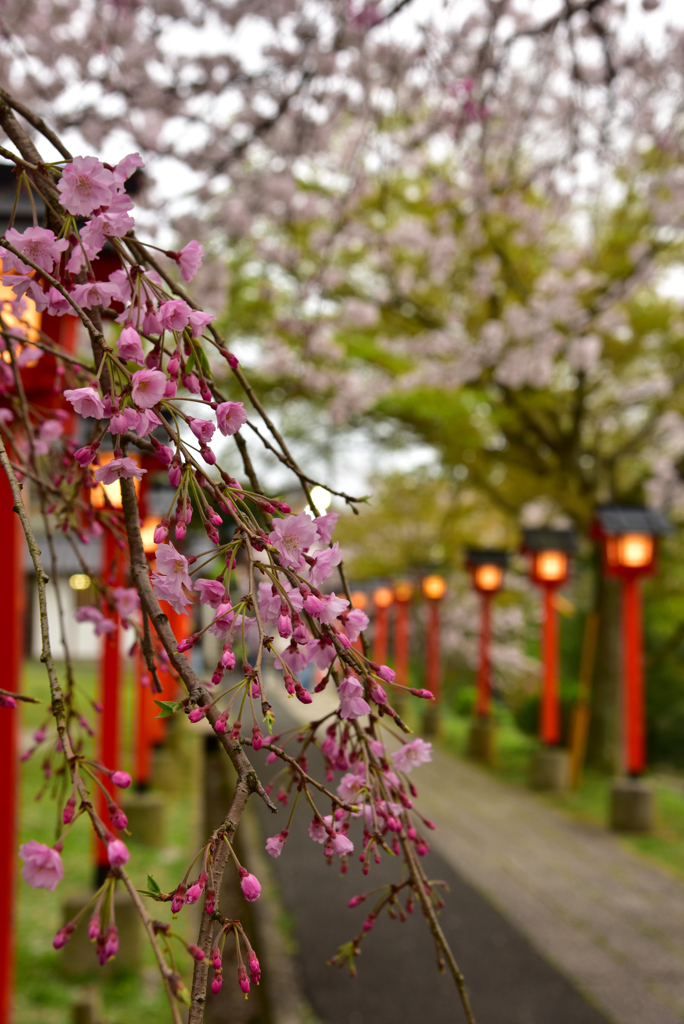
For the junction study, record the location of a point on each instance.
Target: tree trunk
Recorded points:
(605, 728)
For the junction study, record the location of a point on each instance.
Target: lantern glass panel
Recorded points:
(634, 551)
(434, 587)
(403, 591)
(551, 566)
(383, 597)
(488, 577)
(147, 533)
(359, 599)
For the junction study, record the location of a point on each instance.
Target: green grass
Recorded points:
(587, 803)
(42, 991)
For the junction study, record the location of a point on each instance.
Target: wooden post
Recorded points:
(12, 612)
(635, 733)
(484, 688)
(549, 712)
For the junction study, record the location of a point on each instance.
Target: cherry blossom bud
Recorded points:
(195, 891)
(216, 958)
(378, 694)
(422, 848)
(195, 952)
(173, 365)
(368, 923)
(178, 898)
(302, 695)
(235, 731)
(117, 816)
(228, 658)
(221, 723)
(243, 980)
(161, 532)
(210, 901)
(197, 714)
(63, 935)
(355, 900)
(257, 738)
(121, 779)
(187, 643)
(250, 885)
(254, 967)
(289, 684)
(175, 473)
(411, 833)
(163, 452)
(94, 927)
(217, 982)
(425, 694)
(117, 852)
(217, 674)
(69, 810)
(191, 382)
(282, 506)
(111, 946)
(284, 622)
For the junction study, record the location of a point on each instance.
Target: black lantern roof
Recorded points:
(615, 520)
(548, 539)
(486, 556)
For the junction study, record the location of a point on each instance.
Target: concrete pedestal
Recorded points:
(145, 813)
(550, 769)
(482, 740)
(88, 1007)
(631, 806)
(78, 956)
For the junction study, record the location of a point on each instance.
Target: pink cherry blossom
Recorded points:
(170, 576)
(86, 402)
(93, 293)
(325, 526)
(321, 652)
(174, 315)
(93, 615)
(148, 388)
(126, 167)
(230, 416)
(291, 537)
(190, 260)
(127, 601)
(411, 755)
(202, 429)
(295, 657)
(354, 622)
(275, 844)
(341, 844)
(332, 607)
(85, 185)
(352, 702)
(211, 592)
(324, 562)
(119, 469)
(350, 786)
(318, 830)
(198, 320)
(43, 867)
(39, 244)
(130, 345)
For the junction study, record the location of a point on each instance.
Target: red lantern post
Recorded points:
(434, 589)
(382, 601)
(403, 592)
(549, 552)
(486, 573)
(629, 536)
(12, 613)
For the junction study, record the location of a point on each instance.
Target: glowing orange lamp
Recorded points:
(549, 552)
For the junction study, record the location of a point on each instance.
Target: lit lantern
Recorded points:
(630, 538)
(434, 589)
(403, 592)
(549, 552)
(383, 598)
(486, 572)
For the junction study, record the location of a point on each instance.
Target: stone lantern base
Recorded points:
(632, 806)
(482, 740)
(550, 769)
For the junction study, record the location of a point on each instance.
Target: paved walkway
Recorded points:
(609, 920)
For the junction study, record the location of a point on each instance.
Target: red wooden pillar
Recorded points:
(401, 642)
(12, 604)
(110, 692)
(634, 709)
(380, 635)
(484, 688)
(549, 721)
